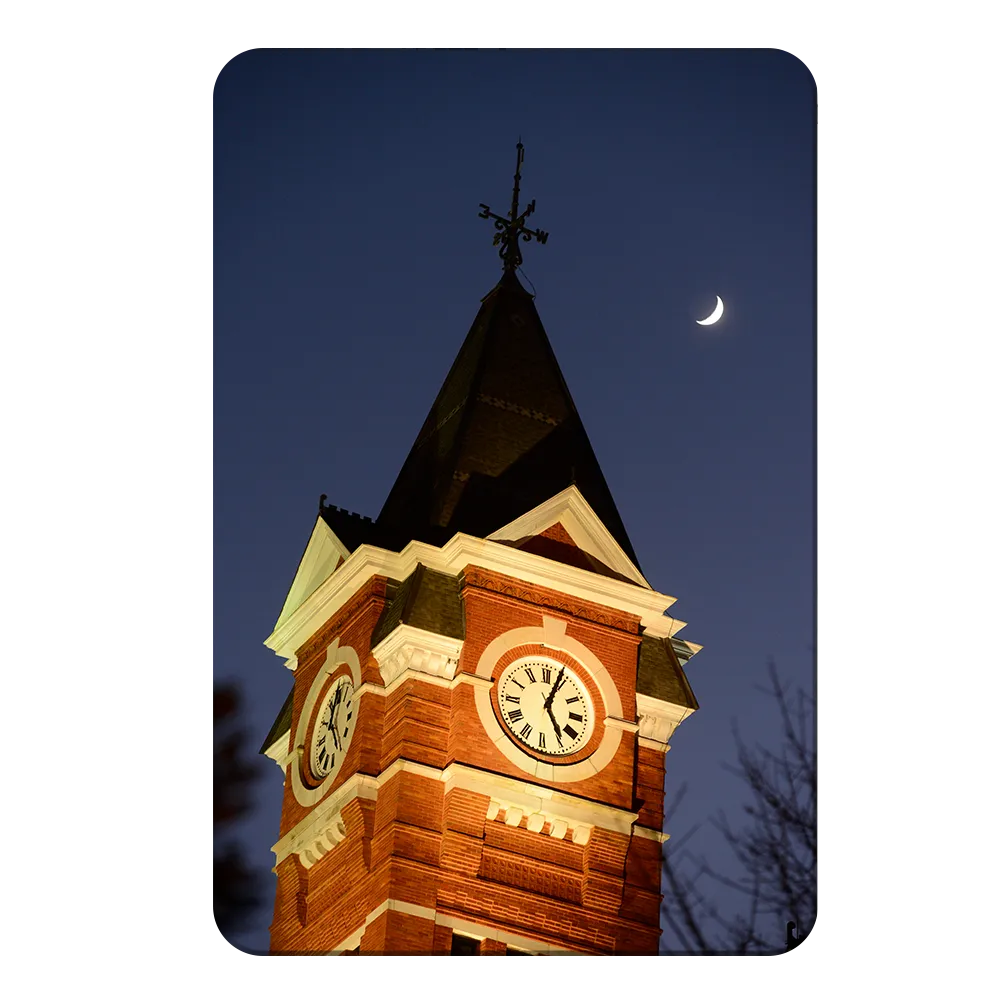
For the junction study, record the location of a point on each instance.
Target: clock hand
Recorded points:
(555, 687)
(555, 726)
(332, 725)
(336, 724)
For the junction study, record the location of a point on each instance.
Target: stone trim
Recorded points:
(623, 724)
(508, 793)
(468, 927)
(408, 648)
(650, 834)
(658, 719)
(559, 827)
(644, 741)
(452, 558)
(280, 751)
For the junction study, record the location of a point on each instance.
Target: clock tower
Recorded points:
(485, 684)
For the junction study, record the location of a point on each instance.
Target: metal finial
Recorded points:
(511, 230)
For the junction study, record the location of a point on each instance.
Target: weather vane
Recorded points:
(511, 229)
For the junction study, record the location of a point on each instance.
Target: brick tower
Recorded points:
(484, 684)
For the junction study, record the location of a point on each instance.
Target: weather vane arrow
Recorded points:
(511, 230)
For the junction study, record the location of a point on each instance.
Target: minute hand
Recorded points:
(555, 687)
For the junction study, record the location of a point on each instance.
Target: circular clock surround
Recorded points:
(332, 728)
(546, 706)
(541, 642)
(340, 662)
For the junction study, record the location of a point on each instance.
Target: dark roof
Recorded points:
(427, 600)
(502, 437)
(352, 529)
(660, 675)
(282, 724)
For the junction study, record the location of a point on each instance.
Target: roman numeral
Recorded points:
(515, 715)
(521, 686)
(570, 732)
(347, 729)
(578, 718)
(541, 741)
(546, 675)
(569, 701)
(531, 675)
(526, 730)
(510, 697)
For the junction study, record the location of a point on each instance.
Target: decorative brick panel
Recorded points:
(532, 846)
(537, 876)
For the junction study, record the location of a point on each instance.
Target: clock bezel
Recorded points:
(309, 759)
(516, 660)
(309, 792)
(607, 706)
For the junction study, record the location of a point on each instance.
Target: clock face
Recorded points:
(546, 707)
(333, 729)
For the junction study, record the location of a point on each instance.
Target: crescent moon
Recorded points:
(716, 313)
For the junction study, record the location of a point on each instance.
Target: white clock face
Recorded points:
(545, 706)
(333, 729)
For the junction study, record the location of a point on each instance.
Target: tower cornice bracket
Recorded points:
(411, 648)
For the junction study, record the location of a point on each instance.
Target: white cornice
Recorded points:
(411, 649)
(578, 813)
(323, 828)
(658, 719)
(571, 510)
(460, 551)
(280, 751)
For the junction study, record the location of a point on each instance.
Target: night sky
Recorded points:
(349, 265)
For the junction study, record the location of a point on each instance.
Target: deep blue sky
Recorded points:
(349, 266)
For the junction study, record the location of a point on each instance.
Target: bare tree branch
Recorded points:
(774, 848)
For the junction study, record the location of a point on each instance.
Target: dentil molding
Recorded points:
(324, 824)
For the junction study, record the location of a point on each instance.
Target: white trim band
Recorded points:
(468, 927)
(509, 793)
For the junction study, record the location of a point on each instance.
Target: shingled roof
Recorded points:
(281, 725)
(502, 437)
(427, 600)
(660, 674)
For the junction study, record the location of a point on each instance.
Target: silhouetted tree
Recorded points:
(237, 892)
(775, 849)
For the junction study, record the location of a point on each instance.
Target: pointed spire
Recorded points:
(512, 228)
(502, 437)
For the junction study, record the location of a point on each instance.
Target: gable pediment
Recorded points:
(566, 522)
(324, 552)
